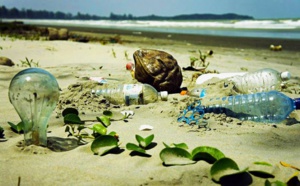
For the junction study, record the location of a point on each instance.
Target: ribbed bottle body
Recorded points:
(130, 94)
(259, 81)
(271, 107)
(114, 95)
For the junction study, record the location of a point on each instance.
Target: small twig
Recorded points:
(19, 181)
(288, 165)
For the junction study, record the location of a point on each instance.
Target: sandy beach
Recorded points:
(244, 142)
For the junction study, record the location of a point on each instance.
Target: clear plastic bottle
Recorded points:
(269, 107)
(263, 80)
(132, 94)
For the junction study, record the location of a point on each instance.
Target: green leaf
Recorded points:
(226, 172)
(167, 146)
(100, 129)
(275, 183)
(104, 120)
(134, 147)
(108, 113)
(208, 154)
(72, 119)
(70, 111)
(181, 145)
(148, 140)
(262, 163)
(80, 127)
(262, 170)
(114, 115)
(104, 144)
(176, 156)
(112, 133)
(140, 140)
(223, 167)
(144, 142)
(19, 128)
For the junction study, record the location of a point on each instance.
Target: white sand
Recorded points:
(244, 142)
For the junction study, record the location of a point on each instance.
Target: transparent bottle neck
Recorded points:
(163, 95)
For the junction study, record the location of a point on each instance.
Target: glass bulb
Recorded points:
(34, 93)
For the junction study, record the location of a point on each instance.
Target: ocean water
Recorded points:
(285, 28)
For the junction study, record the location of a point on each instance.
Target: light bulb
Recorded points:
(34, 93)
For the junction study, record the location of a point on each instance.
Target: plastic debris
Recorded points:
(146, 127)
(205, 77)
(276, 47)
(193, 114)
(127, 113)
(98, 79)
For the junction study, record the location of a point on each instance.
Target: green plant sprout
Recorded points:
(126, 55)
(113, 53)
(224, 171)
(77, 132)
(17, 128)
(29, 63)
(142, 146)
(102, 142)
(201, 61)
(177, 154)
(51, 49)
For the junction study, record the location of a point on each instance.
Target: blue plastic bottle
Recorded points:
(269, 107)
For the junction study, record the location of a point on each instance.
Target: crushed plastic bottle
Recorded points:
(269, 107)
(263, 80)
(197, 92)
(131, 94)
(205, 77)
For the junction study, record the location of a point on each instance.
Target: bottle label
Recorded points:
(133, 94)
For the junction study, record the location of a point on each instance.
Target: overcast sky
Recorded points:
(259, 9)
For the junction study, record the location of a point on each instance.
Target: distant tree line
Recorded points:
(43, 14)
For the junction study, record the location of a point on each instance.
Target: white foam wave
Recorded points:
(243, 24)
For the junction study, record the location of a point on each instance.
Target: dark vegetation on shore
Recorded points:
(19, 30)
(14, 13)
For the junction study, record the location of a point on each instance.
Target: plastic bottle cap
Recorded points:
(285, 75)
(164, 95)
(130, 66)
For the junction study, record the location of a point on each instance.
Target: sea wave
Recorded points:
(286, 28)
(253, 24)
